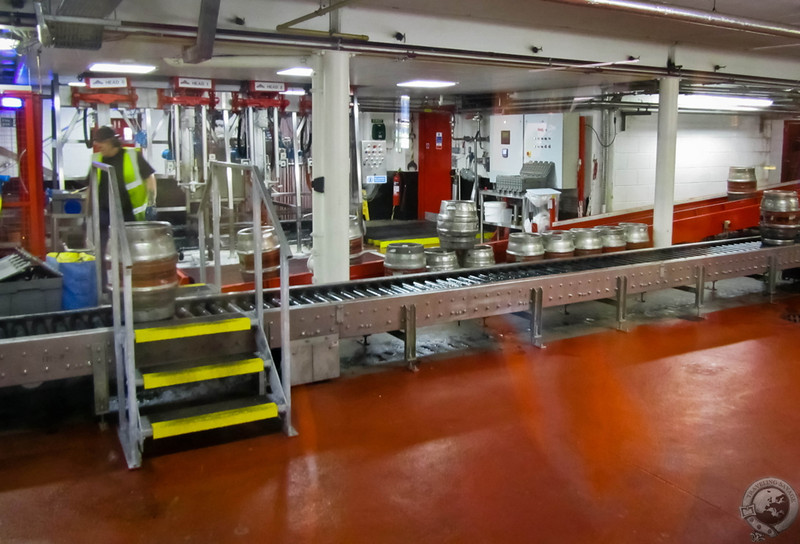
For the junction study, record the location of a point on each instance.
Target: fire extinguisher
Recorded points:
(395, 192)
(396, 189)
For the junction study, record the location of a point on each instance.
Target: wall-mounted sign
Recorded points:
(267, 86)
(114, 82)
(194, 83)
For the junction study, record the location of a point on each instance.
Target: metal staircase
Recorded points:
(171, 354)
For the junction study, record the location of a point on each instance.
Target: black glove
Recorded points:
(150, 213)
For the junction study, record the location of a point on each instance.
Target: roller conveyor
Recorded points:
(56, 345)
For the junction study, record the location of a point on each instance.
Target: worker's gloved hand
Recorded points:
(150, 213)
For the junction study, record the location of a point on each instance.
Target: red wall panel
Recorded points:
(434, 161)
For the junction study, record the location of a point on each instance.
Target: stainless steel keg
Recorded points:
(457, 224)
(780, 217)
(479, 256)
(587, 241)
(524, 247)
(741, 182)
(270, 252)
(636, 235)
(356, 236)
(438, 259)
(558, 244)
(154, 274)
(404, 258)
(613, 238)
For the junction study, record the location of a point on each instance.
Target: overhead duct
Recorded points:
(72, 34)
(689, 15)
(203, 49)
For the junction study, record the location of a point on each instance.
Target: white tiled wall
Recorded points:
(707, 146)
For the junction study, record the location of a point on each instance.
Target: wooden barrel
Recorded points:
(741, 182)
(780, 217)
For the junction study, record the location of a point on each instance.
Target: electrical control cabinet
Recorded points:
(505, 144)
(553, 137)
(373, 161)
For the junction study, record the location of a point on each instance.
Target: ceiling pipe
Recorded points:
(312, 15)
(688, 15)
(203, 48)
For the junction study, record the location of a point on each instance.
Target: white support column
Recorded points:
(665, 161)
(331, 154)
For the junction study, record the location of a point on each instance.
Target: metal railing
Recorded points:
(260, 196)
(130, 432)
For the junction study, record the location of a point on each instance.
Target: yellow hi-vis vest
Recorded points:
(137, 191)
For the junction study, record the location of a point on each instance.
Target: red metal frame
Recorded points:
(97, 96)
(187, 97)
(581, 165)
(692, 221)
(26, 193)
(258, 100)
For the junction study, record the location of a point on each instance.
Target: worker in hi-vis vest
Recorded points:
(135, 178)
(136, 181)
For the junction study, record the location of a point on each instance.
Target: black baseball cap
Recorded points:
(103, 134)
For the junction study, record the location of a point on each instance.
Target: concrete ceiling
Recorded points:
(377, 74)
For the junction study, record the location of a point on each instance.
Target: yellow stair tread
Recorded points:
(186, 330)
(213, 419)
(202, 372)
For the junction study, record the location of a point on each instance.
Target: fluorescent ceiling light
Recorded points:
(302, 71)
(76, 84)
(8, 44)
(711, 102)
(295, 92)
(708, 102)
(427, 84)
(121, 68)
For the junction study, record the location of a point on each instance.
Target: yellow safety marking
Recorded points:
(426, 242)
(365, 206)
(204, 372)
(154, 334)
(205, 422)
(192, 285)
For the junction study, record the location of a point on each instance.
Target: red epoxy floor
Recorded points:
(648, 436)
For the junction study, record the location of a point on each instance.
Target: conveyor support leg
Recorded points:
(410, 315)
(622, 302)
(700, 290)
(772, 278)
(537, 294)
